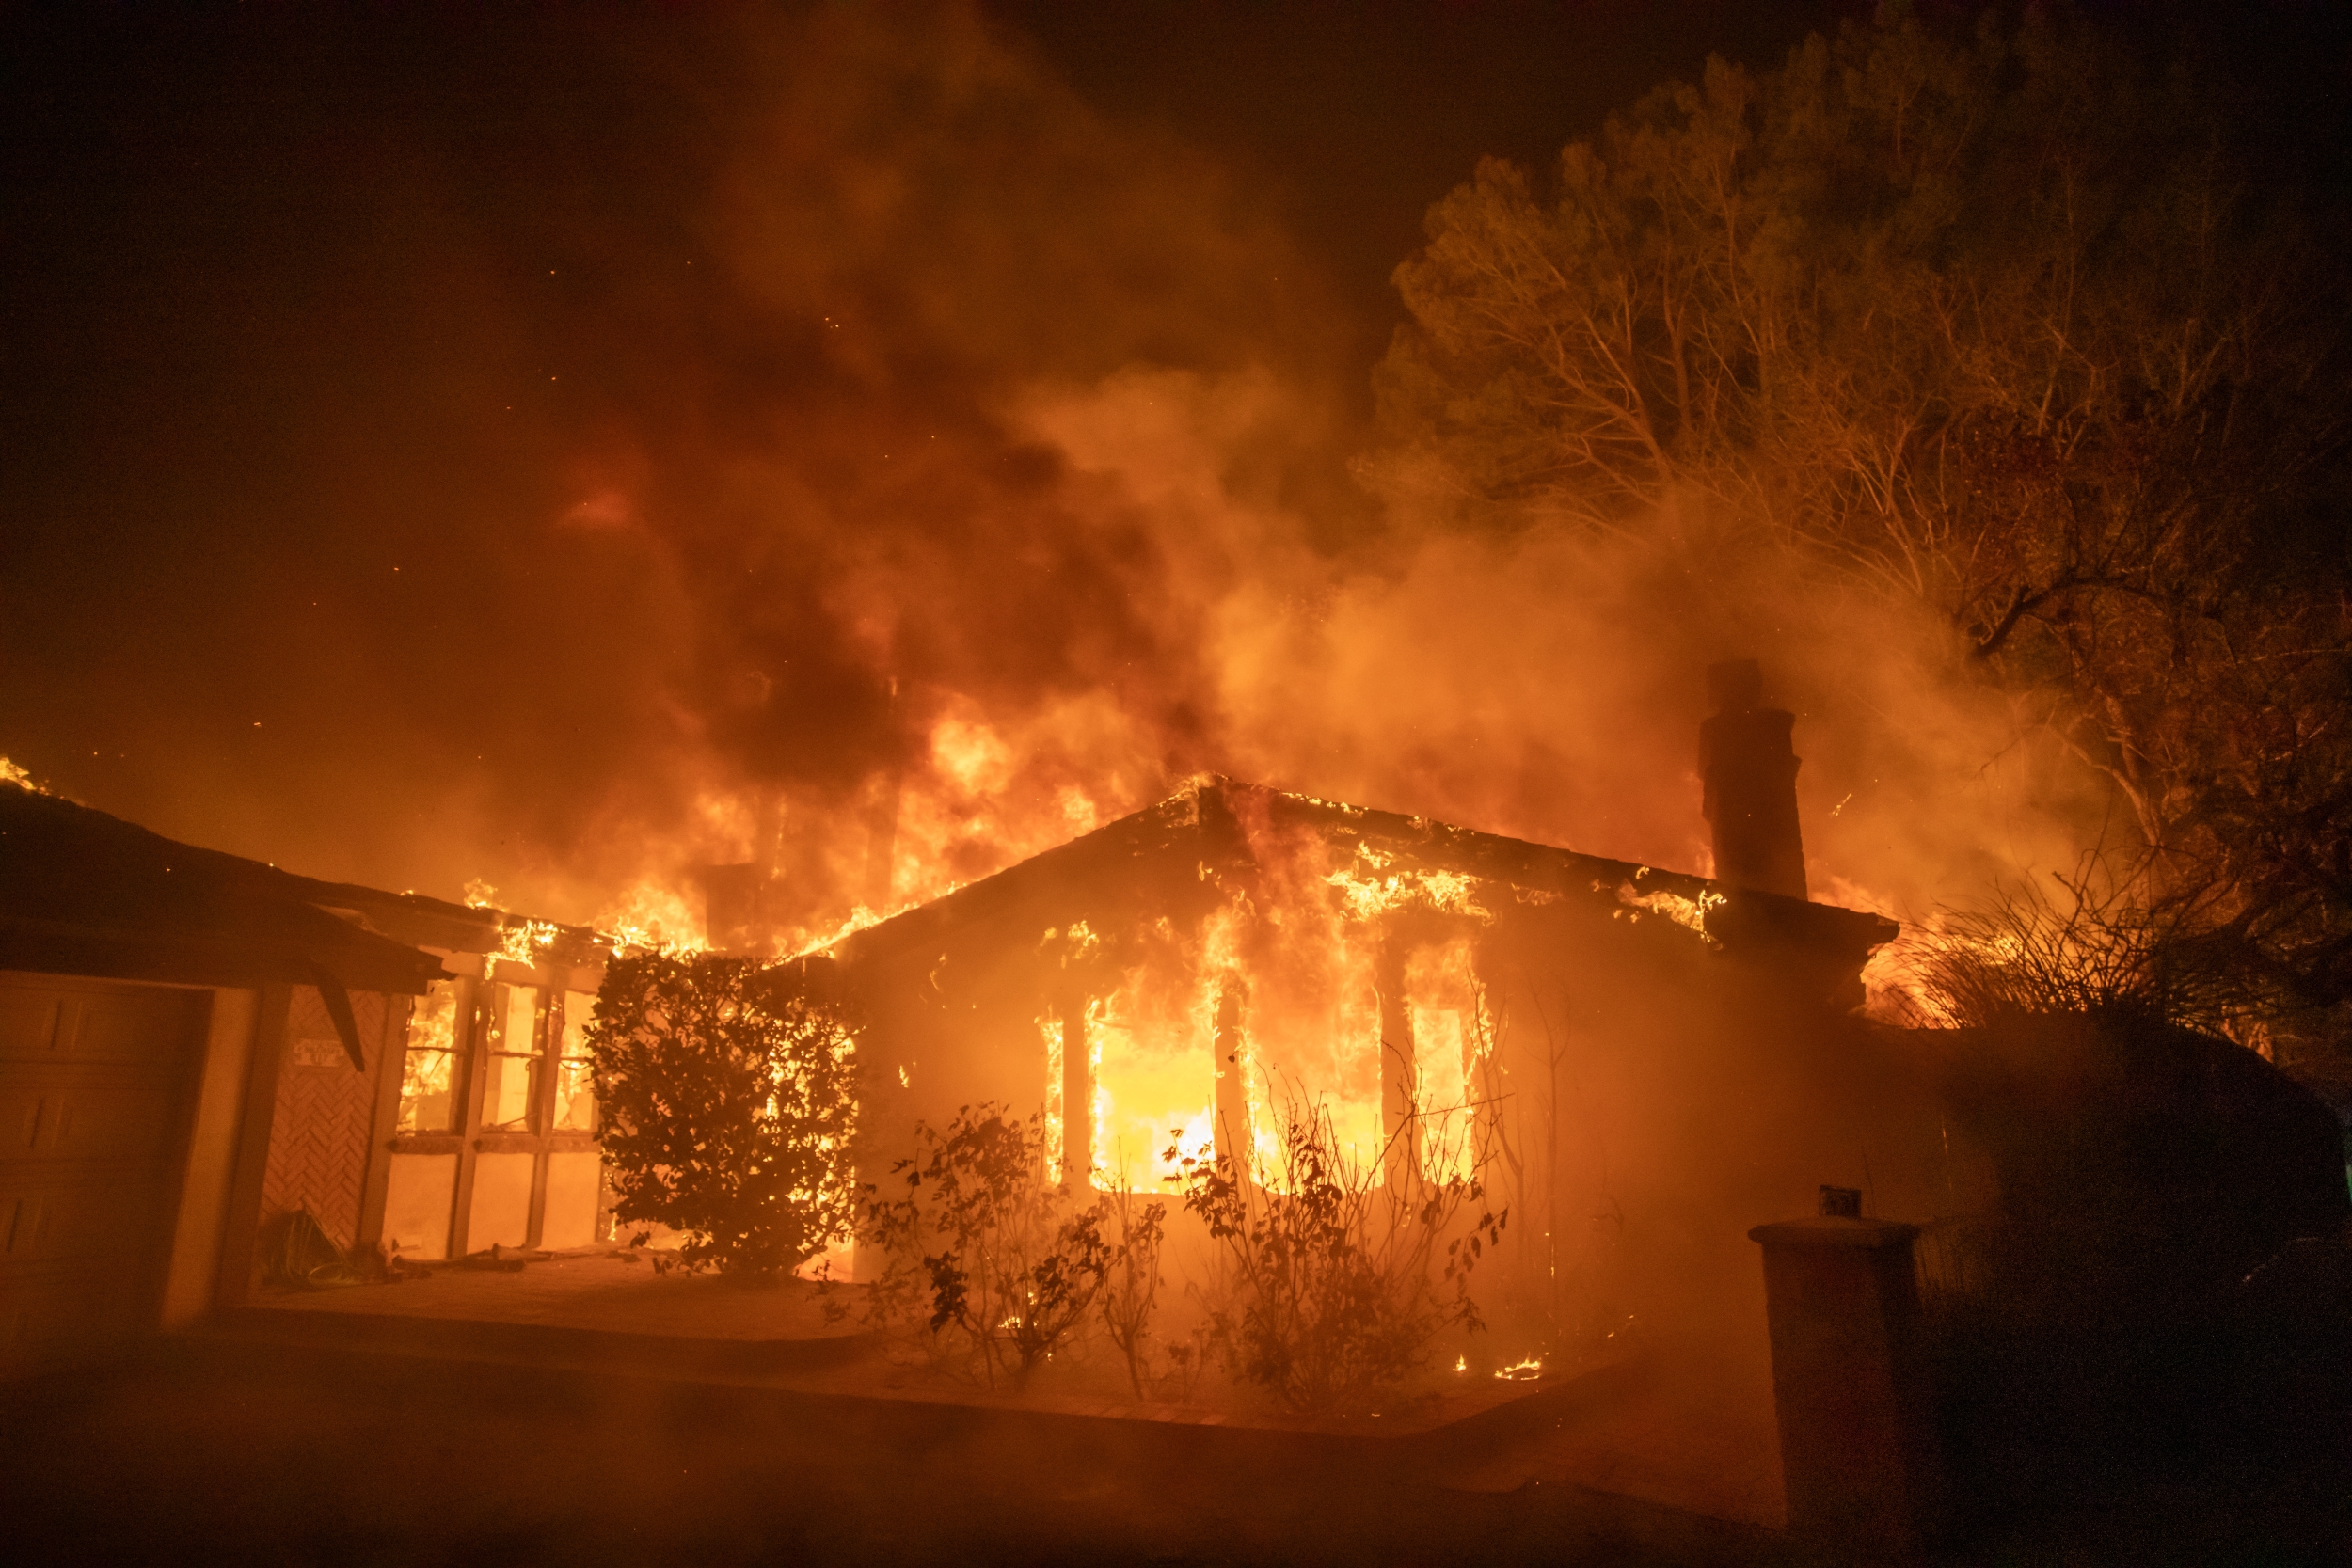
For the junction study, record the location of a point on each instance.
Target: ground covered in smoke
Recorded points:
(213, 1456)
(220, 1454)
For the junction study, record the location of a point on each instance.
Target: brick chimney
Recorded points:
(731, 905)
(1750, 770)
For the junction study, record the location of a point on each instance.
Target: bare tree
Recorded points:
(2000, 329)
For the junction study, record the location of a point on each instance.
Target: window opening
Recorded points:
(575, 1069)
(1155, 1081)
(511, 1073)
(428, 1066)
(1449, 1039)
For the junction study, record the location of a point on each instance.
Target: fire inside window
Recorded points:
(511, 1073)
(428, 1073)
(575, 1078)
(1155, 1085)
(517, 1047)
(1445, 1009)
(1152, 1052)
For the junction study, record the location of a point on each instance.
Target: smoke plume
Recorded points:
(823, 440)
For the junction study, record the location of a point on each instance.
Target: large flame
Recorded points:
(653, 918)
(1301, 984)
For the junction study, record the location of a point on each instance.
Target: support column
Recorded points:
(475, 997)
(547, 1026)
(192, 1280)
(241, 1231)
(1231, 1107)
(1400, 1087)
(1077, 1096)
(383, 1125)
(1857, 1438)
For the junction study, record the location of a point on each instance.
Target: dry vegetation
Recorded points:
(1325, 1288)
(1328, 1288)
(993, 1264)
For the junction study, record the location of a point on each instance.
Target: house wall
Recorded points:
(322, 1130)
(193, 1273)
(1649, 1098)
(1667, 1096)
(925, 1053)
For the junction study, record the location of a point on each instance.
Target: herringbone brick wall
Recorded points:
(318, 1142)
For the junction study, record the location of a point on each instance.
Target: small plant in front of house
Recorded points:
(1330, 1288)
(1130, 1284)
(986, 1257)
(729, 1105)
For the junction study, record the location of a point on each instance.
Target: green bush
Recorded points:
(729, 1106)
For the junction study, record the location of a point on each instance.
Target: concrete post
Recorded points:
(1857, 1436)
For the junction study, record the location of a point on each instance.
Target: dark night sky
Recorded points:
(418, 417)
(1357, 117)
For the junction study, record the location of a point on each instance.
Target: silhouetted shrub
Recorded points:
(728, 1099)
(985, 1257)
(1130, 1284)
(1329, 1290)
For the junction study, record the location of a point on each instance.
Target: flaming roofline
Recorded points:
(87, 893)
(1200, 824)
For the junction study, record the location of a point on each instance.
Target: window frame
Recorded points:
(455, 1052)
(556, 1021)
(482, 983)
(497, 1011)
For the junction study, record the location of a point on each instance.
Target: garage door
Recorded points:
(94, 1080)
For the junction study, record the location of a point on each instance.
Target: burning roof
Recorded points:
(1215, 826)
(83, 892)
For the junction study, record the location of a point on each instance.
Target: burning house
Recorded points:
(1640, 1063)
(195, 1049)
(215, 1074)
